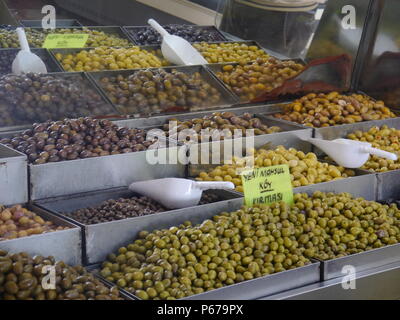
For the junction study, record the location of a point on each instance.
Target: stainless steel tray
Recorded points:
(114, 30)
(227, 99)
(98, 235)
(13, 177)
(363, 261)
(132, 31)
(112, 112)
(247, 290)
(84, 175)
(388, 185)
(64, 245)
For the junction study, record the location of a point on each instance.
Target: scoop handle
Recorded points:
(380, 153)
(23, 42)
(158, 27)
(214, 185)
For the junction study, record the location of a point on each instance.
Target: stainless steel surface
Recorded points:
(227, 98)
(376, 284)
(361, 261)
(380, 74)
(13, 177)
(63, 245)
(269, 115)
(84, 175)
(60, 23)
(88, 84)
(388, 185)
(132, 31)
(256, 288)
(96, 236)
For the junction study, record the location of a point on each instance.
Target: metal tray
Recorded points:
(341, 131)
(247, 42)
(246, 290)
(64, 51)
(217, 67)
(13, 177)
(96, 234)
(227, 98)
(65, 245)
(363, 261)
(114, 30)
(50, 62)
(159, 122)
(388, 185)
(132, 31)
(112, 112)
(60, 23)
(83, 175)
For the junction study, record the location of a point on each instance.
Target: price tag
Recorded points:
(267, 185)
(68, 40)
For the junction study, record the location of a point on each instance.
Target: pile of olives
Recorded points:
(112, 210)
(339, 225)
(36, 37)
(21, 278)
(384, 138)
(221, 125)
(250, 243)
(18, 222)
(29, 98)
(230, 52)
(251, 80)
(191, 33)
(103, 58)
(160, 91)
(305, 169)
(8, 56)
(191, 259)
(324, 110)
(73, 139)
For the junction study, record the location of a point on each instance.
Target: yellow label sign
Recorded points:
(267, 185)
(68, 40)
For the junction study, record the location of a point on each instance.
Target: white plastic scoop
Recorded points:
(349, 153)
(175, 193)
(26, 61)
(176, 49)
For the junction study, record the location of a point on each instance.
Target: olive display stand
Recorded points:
(132, 31)
(227, 98)
(101, 239)
(65, 245)
(13, 177)
(388, 185)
